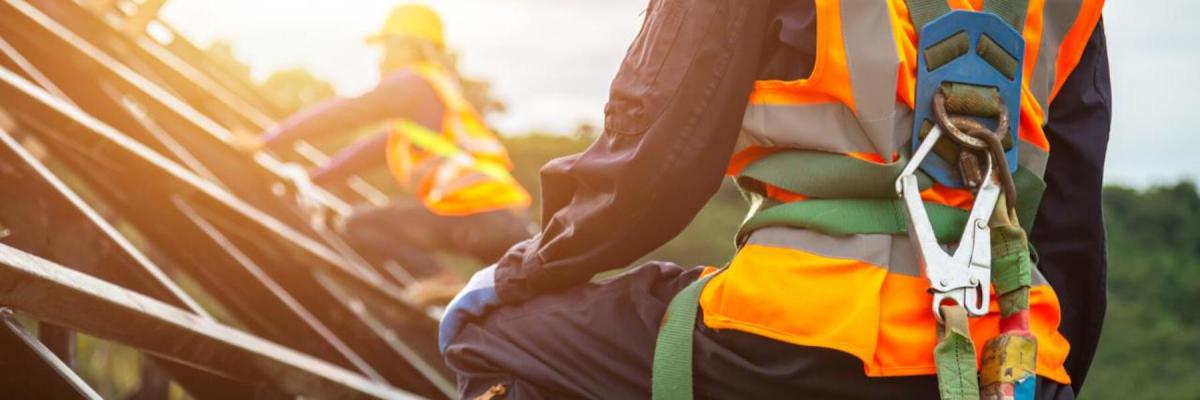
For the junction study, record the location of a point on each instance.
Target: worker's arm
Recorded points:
(361, 156)
(673, 116)
(399, 95)
(1069, 231)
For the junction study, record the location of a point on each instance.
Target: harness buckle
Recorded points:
(963, 277)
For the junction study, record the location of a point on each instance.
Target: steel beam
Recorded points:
(204, 137)
(46, 197)
(91, 237)
(53, 293)
(29, 370)
(265, 237)
(399, 349)
(29, 102)
(164, 104)
(138, 164)
(82, 237)
(290, 306)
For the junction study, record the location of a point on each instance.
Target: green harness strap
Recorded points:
(672, 371)
(825, 175)
(954, 356)
(841, 217)
(873, 211)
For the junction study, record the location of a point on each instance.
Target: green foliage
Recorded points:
(111, 369)
(1151, 337)
(295, 89)
(290, 89)
(220, 53)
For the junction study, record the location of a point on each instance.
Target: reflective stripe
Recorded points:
(863, 123)
(449, 178)
(829, 127)
(893, 253)
(1038, 278)
(425, 168)
(1057, 18)
(1032, 157)
(813, 126)
(872, 60)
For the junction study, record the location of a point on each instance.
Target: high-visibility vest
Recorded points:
(809, 284)
(460, 170)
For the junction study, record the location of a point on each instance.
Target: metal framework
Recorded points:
(119, 180)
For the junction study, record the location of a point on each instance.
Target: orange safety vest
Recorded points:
(461, 170)
(864, 294)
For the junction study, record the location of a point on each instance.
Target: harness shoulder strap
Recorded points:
(1012, 11)
(923, 11)
(672, 369)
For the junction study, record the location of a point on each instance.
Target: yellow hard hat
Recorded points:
(411, 20)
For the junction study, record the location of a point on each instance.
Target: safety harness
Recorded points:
(968, 85)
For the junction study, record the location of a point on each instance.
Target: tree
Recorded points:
(294, 89)
(220, 53)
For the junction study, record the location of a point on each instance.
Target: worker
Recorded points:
(464, 199)
(803, 310)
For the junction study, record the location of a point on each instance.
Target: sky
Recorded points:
(552, 61)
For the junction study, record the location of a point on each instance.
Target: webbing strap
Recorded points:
(825, 175)
(671, 376)
(1012, 268)
(954, 356)
(855, 216)
(1012, 11)
(847, 216)
(967, 99)
(923, 11)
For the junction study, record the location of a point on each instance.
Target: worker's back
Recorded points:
(825, 297)
(806, 277)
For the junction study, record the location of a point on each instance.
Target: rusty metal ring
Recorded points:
(955, 126)
(995, 148)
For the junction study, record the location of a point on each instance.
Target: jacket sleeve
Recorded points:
(363, 155)
(671, 123)
(1069, 234)
(392, 98)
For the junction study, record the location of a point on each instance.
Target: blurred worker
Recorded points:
(436, 145)
(810, 306)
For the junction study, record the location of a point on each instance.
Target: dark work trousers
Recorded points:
(407, 232)
(597, 342)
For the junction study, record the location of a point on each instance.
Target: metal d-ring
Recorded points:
(954, 126)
